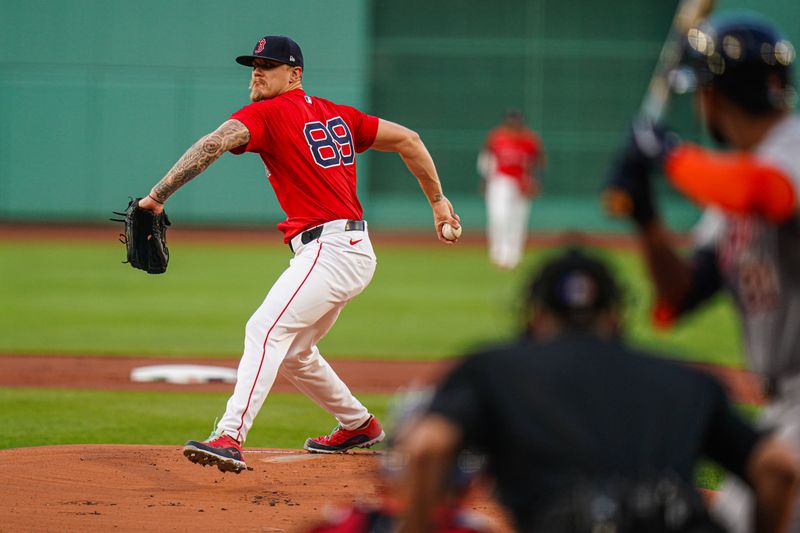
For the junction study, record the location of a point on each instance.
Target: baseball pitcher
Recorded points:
(309, 147)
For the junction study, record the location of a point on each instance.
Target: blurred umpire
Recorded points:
(748, 240)
(584, 434)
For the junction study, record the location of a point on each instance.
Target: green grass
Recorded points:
(38, 417)
(425, 302)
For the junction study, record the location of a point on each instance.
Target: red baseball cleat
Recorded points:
(222, 451)
(341, 440)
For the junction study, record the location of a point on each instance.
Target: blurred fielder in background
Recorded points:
(508, 163)
(584, 434)
(308, 146)
(748, 240)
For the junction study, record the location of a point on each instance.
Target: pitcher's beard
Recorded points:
(255, 94)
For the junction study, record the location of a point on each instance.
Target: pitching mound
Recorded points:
(154, 488)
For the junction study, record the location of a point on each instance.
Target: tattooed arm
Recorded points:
(199, 157)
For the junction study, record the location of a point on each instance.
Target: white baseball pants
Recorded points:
(298, 311)
(507, 212)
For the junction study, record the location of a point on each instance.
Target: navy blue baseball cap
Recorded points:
(575, 286)
(277, 48)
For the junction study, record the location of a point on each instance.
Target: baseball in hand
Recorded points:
(450, 233)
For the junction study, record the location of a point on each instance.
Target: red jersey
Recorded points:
(515, 153)
(309, 148)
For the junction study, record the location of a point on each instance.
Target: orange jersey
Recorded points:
(737, 182)
(750, 233)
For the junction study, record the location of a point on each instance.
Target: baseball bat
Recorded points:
(659, 91)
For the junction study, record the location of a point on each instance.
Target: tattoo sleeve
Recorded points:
(199, 157)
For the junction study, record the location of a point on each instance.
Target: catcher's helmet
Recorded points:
(575, 286)
(746, 59)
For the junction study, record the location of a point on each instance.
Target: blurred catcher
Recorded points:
(748, 239)
(385, 515)
(583, 434)
(308, 146)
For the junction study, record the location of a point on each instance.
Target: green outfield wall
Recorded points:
(99, 98)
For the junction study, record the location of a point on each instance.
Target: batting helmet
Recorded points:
(746, 59)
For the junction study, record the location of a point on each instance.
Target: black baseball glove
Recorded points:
(145, 238)
(628, 191)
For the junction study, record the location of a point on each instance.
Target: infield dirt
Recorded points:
(154, 488)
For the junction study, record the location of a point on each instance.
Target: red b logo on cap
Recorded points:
(260, 46)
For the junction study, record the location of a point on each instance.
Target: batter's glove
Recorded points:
(628, 191)
(145, 238)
